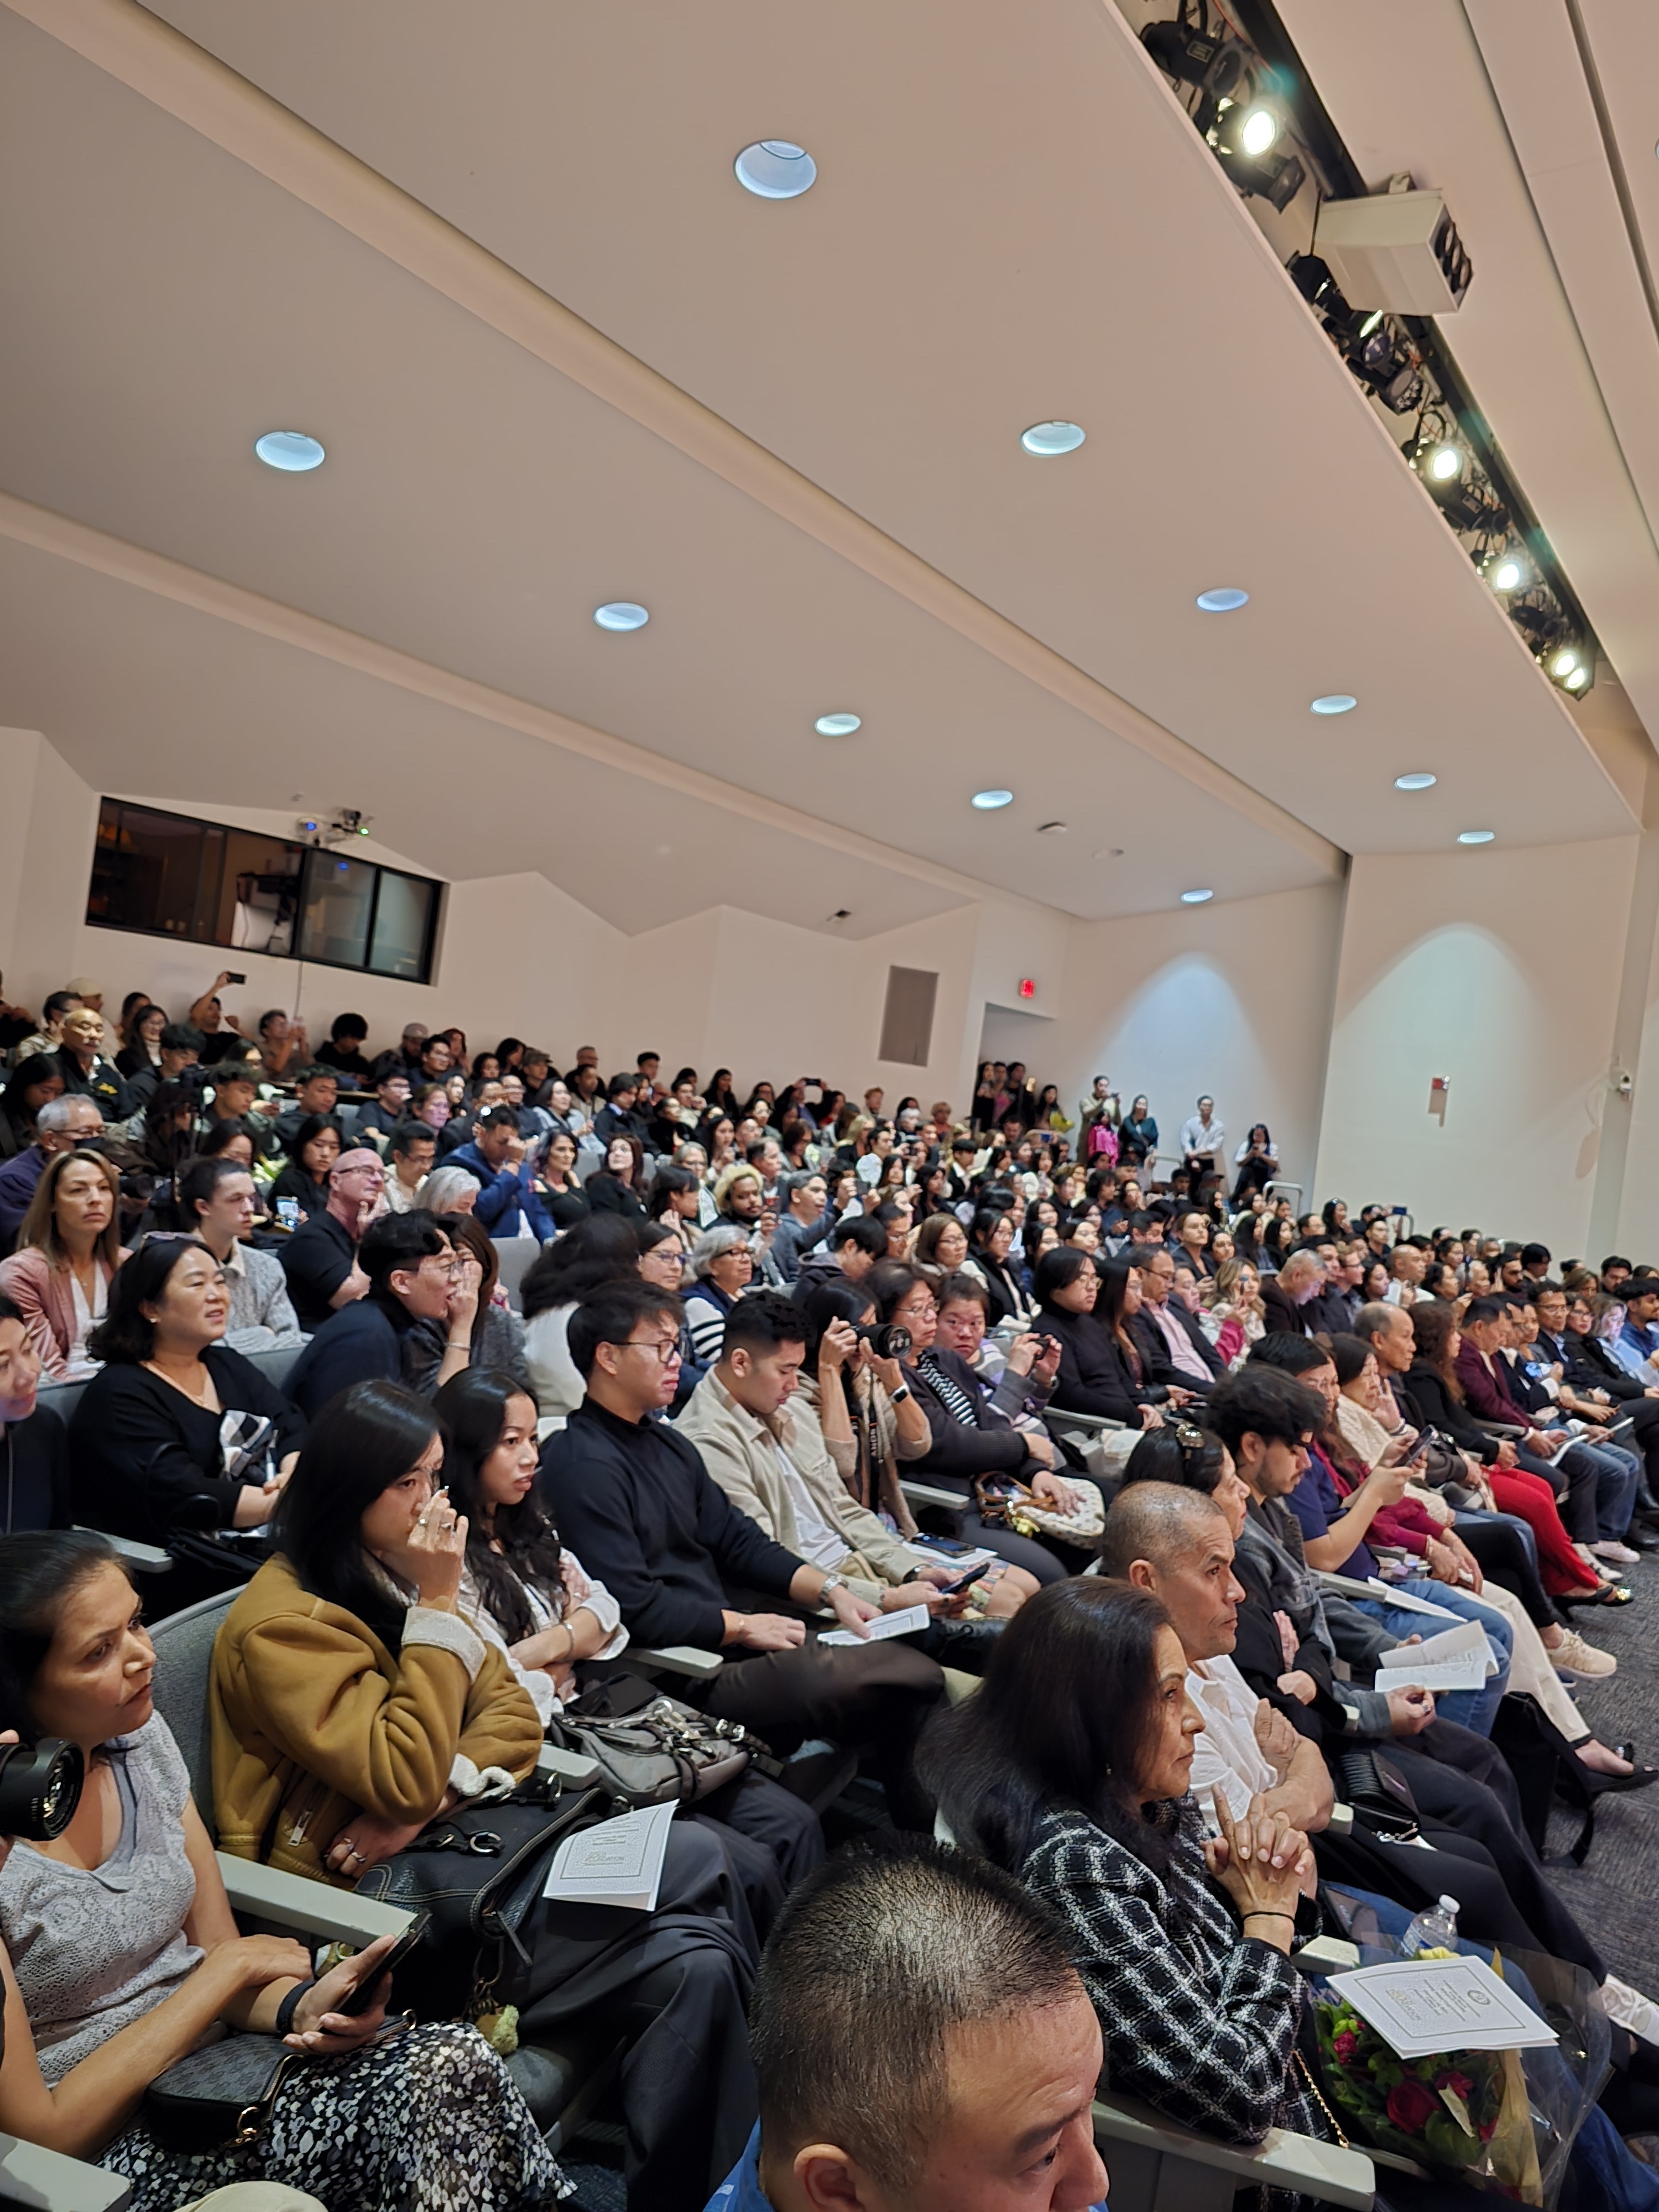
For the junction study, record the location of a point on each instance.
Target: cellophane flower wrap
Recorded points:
(1523, 2108)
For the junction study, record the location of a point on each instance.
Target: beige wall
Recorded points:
(1501, 976)
(1232, 999)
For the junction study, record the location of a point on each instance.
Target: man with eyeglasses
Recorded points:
(632, 1497)
(59, 1127)
(413, 1276)
(320, 1257)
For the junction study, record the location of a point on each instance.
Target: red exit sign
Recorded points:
(1027, 987)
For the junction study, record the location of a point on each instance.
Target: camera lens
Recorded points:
(40, 1786)
(886, 1339)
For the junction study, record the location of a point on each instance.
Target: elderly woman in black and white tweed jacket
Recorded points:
(1070, 1769)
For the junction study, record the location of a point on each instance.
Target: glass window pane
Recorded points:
(334, 919)
(259, 900)
(155, 871)
(401, 920)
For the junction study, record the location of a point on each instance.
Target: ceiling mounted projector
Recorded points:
(1397, 251)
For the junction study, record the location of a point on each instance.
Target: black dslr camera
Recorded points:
(885, 1338)
(40, 1786)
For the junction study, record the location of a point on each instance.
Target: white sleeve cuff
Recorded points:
(424, 1624)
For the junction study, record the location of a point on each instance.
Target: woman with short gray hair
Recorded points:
(722, 1267)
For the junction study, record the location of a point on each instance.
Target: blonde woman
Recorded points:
(1233, 1312)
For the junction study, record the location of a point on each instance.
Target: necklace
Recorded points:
(197, 1397)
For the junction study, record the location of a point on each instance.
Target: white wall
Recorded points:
(1501, 974)
(1231, 999)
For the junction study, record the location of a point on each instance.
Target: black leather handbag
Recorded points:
(220, 2098)
(477, 1872)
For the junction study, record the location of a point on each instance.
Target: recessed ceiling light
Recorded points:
(774, 169)
(621, 614)
(1475, 836)
(1110, 852)
(986, 801)
(1053, 437)
(1222, 602)
(836, 725)
(1195, 898)
(1051, 828)
(1420, 780)
(290, 451)
(1335, 703)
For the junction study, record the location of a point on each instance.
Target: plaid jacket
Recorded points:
(1197, 2019)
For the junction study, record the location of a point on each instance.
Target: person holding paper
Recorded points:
(778, 1472)
(632, 1495)
(352, 1703)
(1334, 1524)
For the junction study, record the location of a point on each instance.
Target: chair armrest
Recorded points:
(1323, 2171)
(677, 1659)
(572, 1766)
(1325, 1955)
(926, 1493)
(145, 1558)
(1091, 1424)
(338, 1915)
(53, 2183)
(1341, 1823)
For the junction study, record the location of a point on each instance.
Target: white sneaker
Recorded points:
(1620, 1554)
(1574, 1660)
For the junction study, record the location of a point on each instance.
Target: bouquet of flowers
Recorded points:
(1442, 2111)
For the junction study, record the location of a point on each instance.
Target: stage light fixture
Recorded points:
(1251, 128)
(1217, 67)
(1506, 571)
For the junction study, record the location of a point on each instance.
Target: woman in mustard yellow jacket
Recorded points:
(352, 1703)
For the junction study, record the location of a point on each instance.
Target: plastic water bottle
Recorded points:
(1435, 1930)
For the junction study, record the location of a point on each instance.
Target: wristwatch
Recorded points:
(899, 1395)
(831, 1583)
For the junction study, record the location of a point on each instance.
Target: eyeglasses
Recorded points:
(662, 1349)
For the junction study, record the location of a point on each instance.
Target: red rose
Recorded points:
(1459, 2084)
(1344, 2046)
(1410, 2104)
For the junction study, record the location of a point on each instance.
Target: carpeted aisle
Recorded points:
(1616, 1893)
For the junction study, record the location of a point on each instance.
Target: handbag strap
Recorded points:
(1318, 2096)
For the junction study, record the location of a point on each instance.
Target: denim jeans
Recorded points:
(1472, 1709)
(1617, 1473)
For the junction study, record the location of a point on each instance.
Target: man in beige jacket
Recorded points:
(778, 1472)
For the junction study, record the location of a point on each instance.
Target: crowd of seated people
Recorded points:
(763, 1376)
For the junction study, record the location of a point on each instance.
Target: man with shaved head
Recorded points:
(1176, 1544)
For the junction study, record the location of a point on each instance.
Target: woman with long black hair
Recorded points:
(353, 1702)
(527, 1593)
